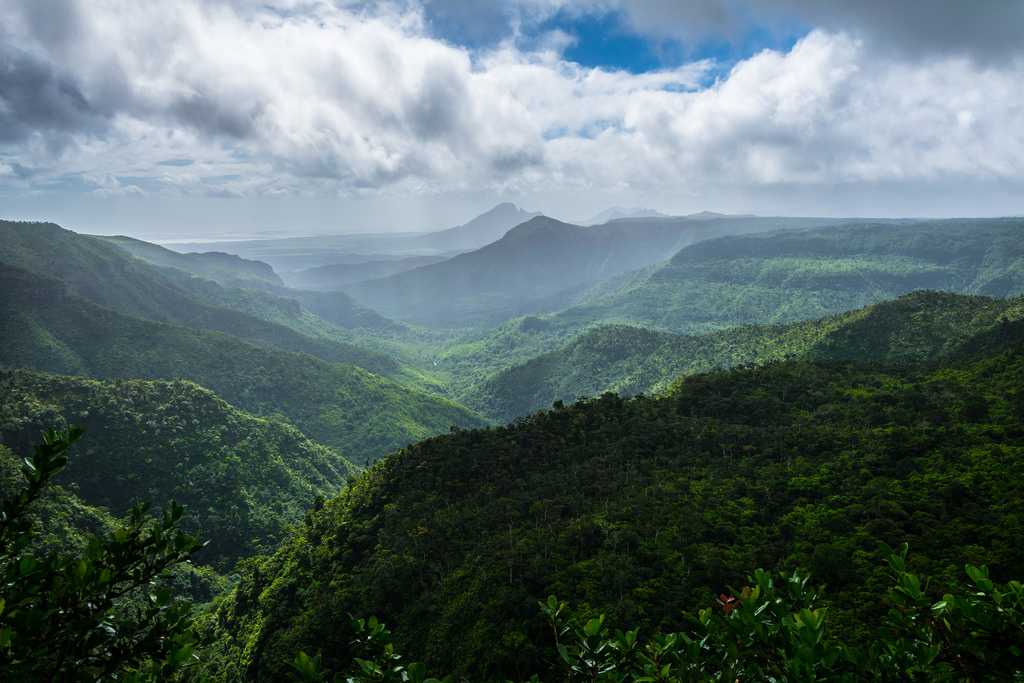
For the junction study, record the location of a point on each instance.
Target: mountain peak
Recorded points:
(706, 214)
(537, 223)
(488, 227)
(617, 212)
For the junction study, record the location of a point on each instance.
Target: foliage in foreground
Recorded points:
(775, 629)
(243, 479)
(98, 614)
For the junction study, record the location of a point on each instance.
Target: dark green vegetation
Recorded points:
(243, 479)
(775, 629)
(801, 274)
(541, 265)
(636, 507)
(74, 304)
(105, 610)
(104, 274)
(360, 414)
(200, 378)
(101, 612)
(632, 360)
(62, 523)
(724, 285)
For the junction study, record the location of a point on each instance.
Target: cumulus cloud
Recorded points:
(985, 30)
(307, 97)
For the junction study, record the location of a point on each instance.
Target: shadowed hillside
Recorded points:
(636, 507)
(802, 274)
(629, 360)
(363, 415)
(541, 265)
(244, 480)
(103, 273)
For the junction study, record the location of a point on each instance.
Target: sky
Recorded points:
(236, 118)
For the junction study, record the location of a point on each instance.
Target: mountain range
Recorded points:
(631, 416)
(151, 323)
(488, 227)
(617, 212)
(294, 254)
(631, 507)
(541, 265)
(798, 274)
(917, 327)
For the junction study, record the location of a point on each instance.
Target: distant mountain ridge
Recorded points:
(293, 254)
(225, 269)
(45, 327)
(917, 327)
(811, 273)
(616, 212)
(541, 265)
(336, 276)
(488, 227)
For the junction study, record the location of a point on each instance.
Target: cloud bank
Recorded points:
(301, 97)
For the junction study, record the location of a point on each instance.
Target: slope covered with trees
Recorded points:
(100, 611)
(243, 479)
(226, 269)
(801, 274)
(776, 628)
(335, 276)
(639, 507)
(630, 360)
(360, 414)
(62, 519)
(103, 273)
(541, 265)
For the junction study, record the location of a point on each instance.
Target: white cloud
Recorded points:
(313, 98)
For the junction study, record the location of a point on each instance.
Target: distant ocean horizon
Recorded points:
(229, 237)
(260, 236)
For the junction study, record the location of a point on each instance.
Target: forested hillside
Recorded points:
(65, 521)
(243, 479)
(462, 341)
(542, 265)
(335, 276)
(631, 360)
(360, 414)
(98, 271)
(801, 274)
(226, 269)
(634, 507)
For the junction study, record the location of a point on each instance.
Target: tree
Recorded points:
(774, 629)
(98, 614)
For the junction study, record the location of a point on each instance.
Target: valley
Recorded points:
(647, 407)
(517, 341)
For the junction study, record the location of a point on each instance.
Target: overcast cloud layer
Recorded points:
(299, 98)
